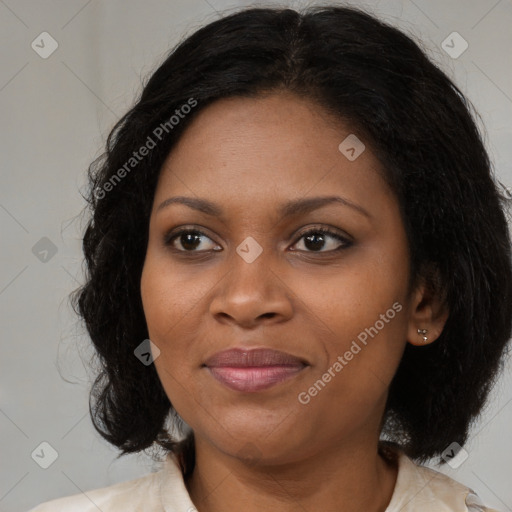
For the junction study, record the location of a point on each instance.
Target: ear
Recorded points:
(428, 311)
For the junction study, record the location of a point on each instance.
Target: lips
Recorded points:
(253, 370)
(241, 358)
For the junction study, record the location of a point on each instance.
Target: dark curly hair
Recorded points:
(421, 128)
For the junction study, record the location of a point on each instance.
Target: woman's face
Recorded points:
(256, 274)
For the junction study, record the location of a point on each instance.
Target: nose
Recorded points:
(251, 294)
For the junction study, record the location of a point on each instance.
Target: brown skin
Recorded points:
(266, 450)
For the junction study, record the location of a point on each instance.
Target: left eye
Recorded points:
(317, 239)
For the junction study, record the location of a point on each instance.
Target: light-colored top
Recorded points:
(417, 489)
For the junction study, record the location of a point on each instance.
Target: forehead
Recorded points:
(248, 150)
(281, 124)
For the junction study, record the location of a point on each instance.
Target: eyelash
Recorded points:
(346, 243)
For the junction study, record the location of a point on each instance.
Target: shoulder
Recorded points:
(422, 489)
(125, 496)
(144, 493)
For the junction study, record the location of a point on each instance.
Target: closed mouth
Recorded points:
(253, 370)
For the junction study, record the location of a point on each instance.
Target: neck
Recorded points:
(353, 476)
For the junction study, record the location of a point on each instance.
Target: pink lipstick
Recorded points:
(253, 370)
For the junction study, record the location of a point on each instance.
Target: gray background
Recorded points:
(55, 115)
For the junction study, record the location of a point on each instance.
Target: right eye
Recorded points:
(189, 240)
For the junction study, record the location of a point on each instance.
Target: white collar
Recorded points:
(417, 489)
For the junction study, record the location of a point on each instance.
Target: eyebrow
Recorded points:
(294, 207)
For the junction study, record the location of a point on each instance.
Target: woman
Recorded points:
(297, 253)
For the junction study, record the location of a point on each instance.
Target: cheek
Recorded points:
(362, 306)
(351, 296)
(163, 311)
(362, 360)
(165, 306)
(173, 303)
(168, 297)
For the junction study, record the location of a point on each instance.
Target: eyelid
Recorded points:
(331, 231)
(178, 230)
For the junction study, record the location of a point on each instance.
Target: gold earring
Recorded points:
(423, 332)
